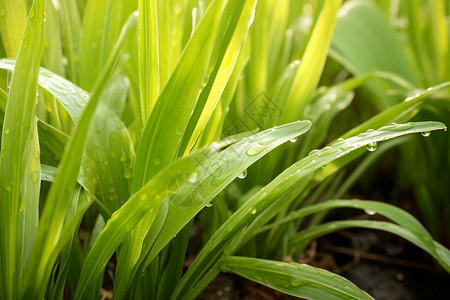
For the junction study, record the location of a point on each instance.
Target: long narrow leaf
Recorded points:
(294, 279)
(19, 162)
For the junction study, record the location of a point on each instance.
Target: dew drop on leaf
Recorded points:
(214, 146)
(369, 212)
(255, 149)
(425, 133)
(243, 174)
(293, 140)
(193, 178)
(372, 146)
(209, 204)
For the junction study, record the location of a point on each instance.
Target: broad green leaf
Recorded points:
(294, 279)
(110, 147)
(359, 44)
(19, 161)
(212, 176)
(71, 97)
(46, 245)
(12, 24)
(275, 194)
(311, 65)
(148, 57)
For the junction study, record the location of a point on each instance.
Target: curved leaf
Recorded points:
(274, 194)
(294, 279)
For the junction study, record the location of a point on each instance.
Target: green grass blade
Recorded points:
(19, 162)
(294, 279)
(225, 70)
(53, 54)
(420, 241)
(148, 57)
(311, 65)
(49, 232)
(401, 112)
(186, 82)
(71, 26)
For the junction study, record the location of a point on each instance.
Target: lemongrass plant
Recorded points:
(143, 112)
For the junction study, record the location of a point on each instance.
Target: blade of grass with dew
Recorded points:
(401, 112)
(362, 31)
(273, 193)
(12, 24)
(72, 29)
(19, 161)
(311, 65)
(294, 279)
(44, 252)
(212, 177)
(148, 57)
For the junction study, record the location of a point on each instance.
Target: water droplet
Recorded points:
(214, 146)
(313, 151)
(293, 140)
(243, 174)
(372, 146)
(193, 178)
(255, 149)
(7, 131)
(157, 161)
(253, 211)
(425, 133)
(370, 212)
(209, 204)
